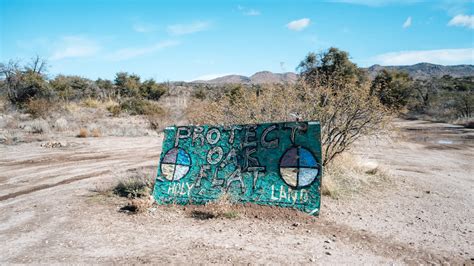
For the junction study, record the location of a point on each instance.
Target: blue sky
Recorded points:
(187, 40)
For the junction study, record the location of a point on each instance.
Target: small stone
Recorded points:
(295, 224)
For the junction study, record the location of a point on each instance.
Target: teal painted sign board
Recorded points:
(277, 164)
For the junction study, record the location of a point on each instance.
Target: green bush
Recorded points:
(151, 90)
(141, 107)
(136, 186)
(39, 107)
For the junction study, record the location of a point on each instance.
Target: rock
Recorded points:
(53, 144)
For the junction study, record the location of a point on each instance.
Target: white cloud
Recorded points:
(407, 23)
(74, 47)
(462, 21)
(248, 11)
(252, 12)
(182, 29)
(442, 56)
(143, 27)
(212, 76)
(128, 53)
(298, 25)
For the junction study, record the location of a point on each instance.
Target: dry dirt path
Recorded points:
(50, 214)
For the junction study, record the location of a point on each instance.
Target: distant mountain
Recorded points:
(261, 77)
(269, 77)
(417, 71)
(426, 70)
(227, 79)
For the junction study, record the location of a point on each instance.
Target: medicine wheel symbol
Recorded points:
(298, 167)
(175, 164)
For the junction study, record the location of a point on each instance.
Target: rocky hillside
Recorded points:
(417, 71)
(257, 78)
(426, 70)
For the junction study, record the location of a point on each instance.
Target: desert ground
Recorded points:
(422, 212)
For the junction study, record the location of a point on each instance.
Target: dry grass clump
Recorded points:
(137, 187)
(3, 104)
(83, 133)
(61, 124)
(9, 137)
(39, 107)
(138, 184)
(96, 133)
(38, 126)
(91, 103)
(72, 107)
(138, 205)
(223, 207)
(346, 175)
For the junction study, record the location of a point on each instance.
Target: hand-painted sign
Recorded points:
(274, 164)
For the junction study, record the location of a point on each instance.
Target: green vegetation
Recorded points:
(28, 88)
(332, 90)
(393, 88)
(137, 185)
(443, 99)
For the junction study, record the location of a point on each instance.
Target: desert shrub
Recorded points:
(39, 107)
(136, 185)
(443, 99)
(151, 90)
(23, 83)
(199, 93)
(158, 121)
(61, 124)
(393, 88)
(114, 109)
(135, 106)
(347, 175)
(137, 205)
(96, 132)
(345, 108)
(127, 85)
(70, 88)
(91, 103)
(83, 133)
(3, 104)
(39, 126)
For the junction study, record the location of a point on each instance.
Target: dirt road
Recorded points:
(423, 214)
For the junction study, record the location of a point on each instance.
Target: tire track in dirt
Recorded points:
(46, 186)
(52, 159)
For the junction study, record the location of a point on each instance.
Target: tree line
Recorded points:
(21, 84)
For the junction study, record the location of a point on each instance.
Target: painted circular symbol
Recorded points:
(298, 167)
(175, 164)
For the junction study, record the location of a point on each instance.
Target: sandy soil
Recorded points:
(422, 214)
